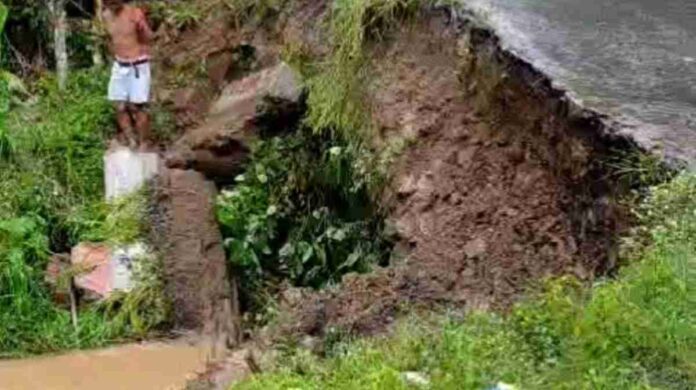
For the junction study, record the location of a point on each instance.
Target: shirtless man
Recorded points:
(129, 88)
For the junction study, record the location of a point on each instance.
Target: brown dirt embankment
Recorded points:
(500, 186)
(502, 182)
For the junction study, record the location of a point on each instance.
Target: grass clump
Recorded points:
(637, 331)
(336, 97)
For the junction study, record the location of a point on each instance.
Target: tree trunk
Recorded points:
(60, 26)
(97, 57)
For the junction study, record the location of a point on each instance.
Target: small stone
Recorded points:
(219, 65)
(503, 386)
(56, 277)
(292, 296)
(425, 185)
(465, 157)
(468, 273)
(285, 83)
(475, 248)
(408, 186)
(414, 378)
(310, 343)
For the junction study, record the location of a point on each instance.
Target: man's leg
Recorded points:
(140, 96)
(125, 125)
(118, 94)
(142, 125)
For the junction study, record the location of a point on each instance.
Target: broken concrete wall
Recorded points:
(195, 265)
(127, 171)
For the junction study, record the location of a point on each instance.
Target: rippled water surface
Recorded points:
(632, 58)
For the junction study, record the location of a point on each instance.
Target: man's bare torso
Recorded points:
(129, 32)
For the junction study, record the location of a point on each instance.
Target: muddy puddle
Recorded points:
(150, 366)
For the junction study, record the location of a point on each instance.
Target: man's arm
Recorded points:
(103, 29)
(144, 30)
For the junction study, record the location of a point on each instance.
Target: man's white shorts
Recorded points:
(130, 83)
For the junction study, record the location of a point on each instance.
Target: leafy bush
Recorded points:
(29, 322)
(637, 331)
(58, 147)
(301, 212)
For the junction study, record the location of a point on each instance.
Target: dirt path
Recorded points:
(137, 366)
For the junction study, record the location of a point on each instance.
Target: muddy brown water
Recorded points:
(149, 366)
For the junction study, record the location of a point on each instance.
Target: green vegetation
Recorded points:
(53, 164)
(303, 213)
(337, 88)
(180, 15)
(255, 11)
(637, 331)
(51, 198)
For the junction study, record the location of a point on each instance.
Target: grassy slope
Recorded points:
(637, 331)
(50, 169)
(51, 198)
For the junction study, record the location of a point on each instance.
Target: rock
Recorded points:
(186, 99)
(279, 82)
(416, 379)
(92, 264)
(127, 171)
(503, 386)
(189, 104)
(101, 270)
(266, 101)
(475, 248)
(408, 186)
(222, 168)
(219, 65)
(310, 343)
(465, 157)
(222, 374)
(244, 105)
(56, 277)
(292, 296)
(220, 165)
(265, 360)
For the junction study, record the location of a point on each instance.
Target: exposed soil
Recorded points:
(479, 213)
(497, 189)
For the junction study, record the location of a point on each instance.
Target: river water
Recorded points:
(150, 366)
(633, 59)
